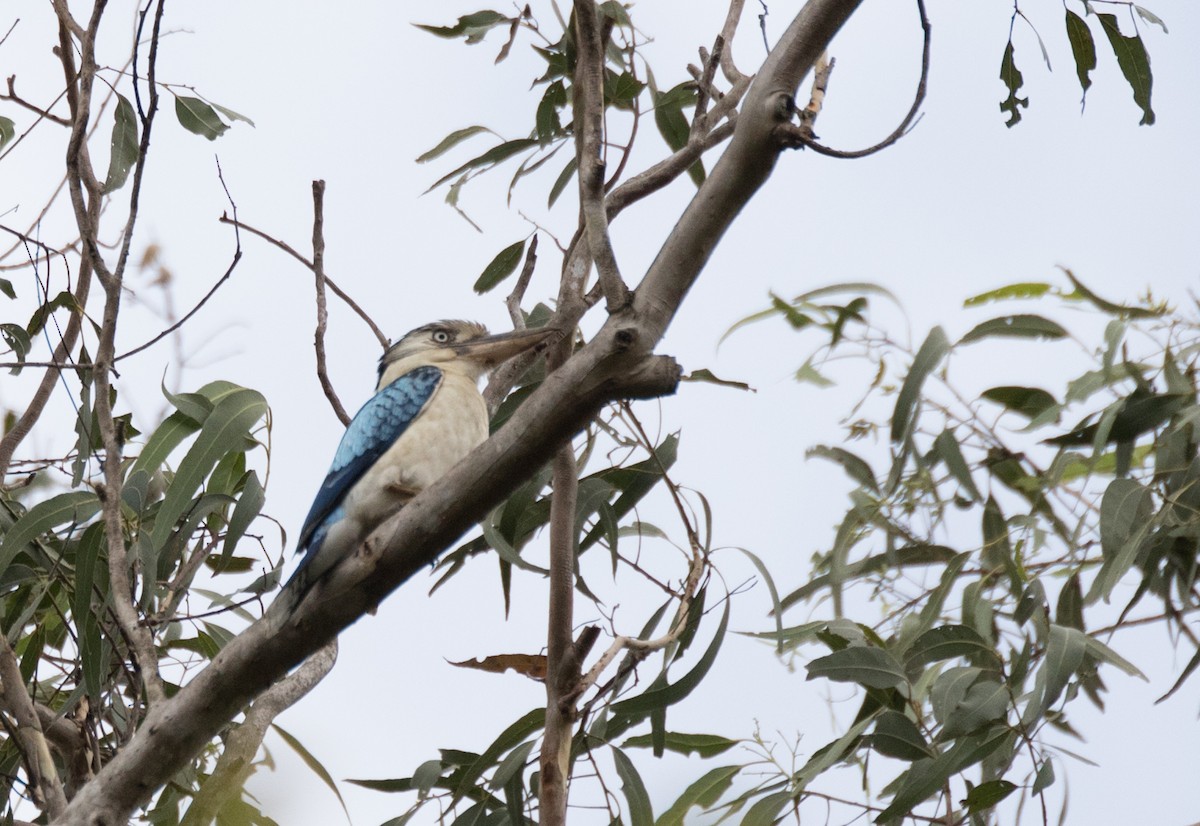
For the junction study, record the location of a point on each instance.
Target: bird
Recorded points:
(427, 414)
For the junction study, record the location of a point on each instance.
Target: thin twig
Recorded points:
(562, 666)
(728, 30)
(820, 85)
(794, 135)
(20, 101)
(589, 127)
(187, 316)
(283, 245)
(513, 302)
(318, 268)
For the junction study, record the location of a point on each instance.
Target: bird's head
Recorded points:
(456, 345)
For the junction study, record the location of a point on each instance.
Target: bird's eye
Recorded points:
(441, 336)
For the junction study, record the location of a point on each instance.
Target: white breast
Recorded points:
(452, 423)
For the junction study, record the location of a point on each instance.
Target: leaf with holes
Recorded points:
(1013, 81)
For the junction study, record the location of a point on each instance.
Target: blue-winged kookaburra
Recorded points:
(426, 415)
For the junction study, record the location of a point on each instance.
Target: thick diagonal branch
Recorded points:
(237, 759)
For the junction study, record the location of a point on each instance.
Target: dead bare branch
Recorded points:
(318, 268)
(329, 282)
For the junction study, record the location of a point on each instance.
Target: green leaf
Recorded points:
(92, 650)
(705, 745)
(501, 267)
(197, 116)
(247, 509)
(1125, 511)
(1024, 289)
(929, 356)
(986, 795)
(8, 131)
(1030, 402)
(897, 736)
(1044, 778)
(6, 286)
(635, 482)
(1133, 62)
(766, 811)
(855, 467)
(1016, 326)
(865, 665)
(1065, 650)
(232, 115)
(124, 152)
(947, 642)
(1083, 49)
(73, 507)
(946, 447)
(1151, 17)
(704, 792)
(225, 430)
(928, 777)
(671, 122)
(560, 183)
(508, 739)
(495, 155)
(450, 141)
(1103, 653)
(706, 375)
(640, 811)
(670, 693)
(17, 339)
(984, 701)
(1013, 82)
(471, 26)
(510, 767)
(1110, 307)
(997, 552)
(932, 609)
(313, 764)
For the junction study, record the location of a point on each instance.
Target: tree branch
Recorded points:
(350, 302)
(44, 782)
(513, 302)
(318, 268)
(562, 668)
(589, 129)
(800, 135)
(236, 763)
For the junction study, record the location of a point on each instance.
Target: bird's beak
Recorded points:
(491, 351)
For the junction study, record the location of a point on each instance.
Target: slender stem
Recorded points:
(318, 268)
(562, 664)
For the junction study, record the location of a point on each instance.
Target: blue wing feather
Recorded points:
(375, 428)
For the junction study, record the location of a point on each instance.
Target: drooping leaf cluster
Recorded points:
(188, 501)
(995, 537)
(1130, 52)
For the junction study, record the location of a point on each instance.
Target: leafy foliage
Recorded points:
(966, 692)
